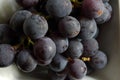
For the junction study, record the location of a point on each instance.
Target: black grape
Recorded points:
(108, 7)
(17, 20)
(59, 8)
(44, 50)
(104, 17)
(61, 42)
(58, 63)
(75, 49)
(7, 55)
(35, 27)
(69, 27)
(77, 69)
(99, 60)
(92, 8)
(7, 35)
(90, 46)
(25, 61)
(88, 28)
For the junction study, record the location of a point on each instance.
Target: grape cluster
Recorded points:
(59, 34)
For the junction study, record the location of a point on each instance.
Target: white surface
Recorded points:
(109, 40)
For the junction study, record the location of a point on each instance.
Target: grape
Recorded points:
(57, 75)
(7, 55)
(25, 61)
(61, 42)
(58, 63)
(77, 69)
(59, 8)
(90, 46)
(44, 50)
(108, 7)
(69, 27)
(75, 48)
(99, 60)
(92, 8)
(17, 20)
(104, 17)
(7, 35)
(88, 28)
(27, 3)
(35, 27)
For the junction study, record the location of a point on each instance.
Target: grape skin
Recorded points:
(88, 28)
(98, 61)
(90, 46)
(58, 63)
(59, 8)
(44, 49)
(76, 72)
(25, 61)
(35, 27)
(92, 8)
(7, 55)
(69, 27)
(17, 20)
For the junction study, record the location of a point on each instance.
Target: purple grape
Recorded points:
(69, 27)
(27, 3)
(77, 69)
(61, 42)
(99, 60)
(58, 63)
(25, 61)
(104, 17)
(44, 50)
(90, 46)
(88, 28)
(17, 20)
(92, 8)
(108, 7)
(59, 8)
(35, 27)
(75, 48)
(7, 55)
(7, 35)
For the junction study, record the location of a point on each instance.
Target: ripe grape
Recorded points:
(58, 63)
(104, 17)
(90, 46)
(92, 8)
(59, 8)
(17, 20)
(69, 27)
(7, 35)
(7, 55)
(35, 27)
(61, 42)
(77, 69)
(75, 48)
(44, 50)
(88, 28)
(25, 61)
(27, 3)
(99, 60)
(108, 7)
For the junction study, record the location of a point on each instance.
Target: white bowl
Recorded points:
(109, 40)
